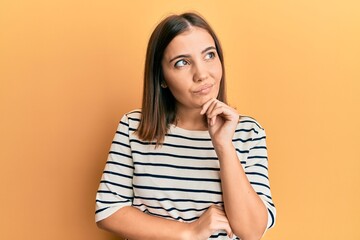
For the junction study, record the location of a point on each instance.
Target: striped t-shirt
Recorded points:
(180, 179)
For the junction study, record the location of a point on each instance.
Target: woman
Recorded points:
(186, 166)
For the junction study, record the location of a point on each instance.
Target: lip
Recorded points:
(204, 89)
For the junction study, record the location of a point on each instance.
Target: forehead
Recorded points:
(191, 41)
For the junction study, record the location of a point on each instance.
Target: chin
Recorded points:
(205, 99)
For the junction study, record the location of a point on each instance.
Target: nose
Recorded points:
(200, 72)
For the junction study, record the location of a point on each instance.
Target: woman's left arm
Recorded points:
(245, 210)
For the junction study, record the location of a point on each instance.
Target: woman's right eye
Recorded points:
(181, 63)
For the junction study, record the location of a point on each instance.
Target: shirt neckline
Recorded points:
(186, 132)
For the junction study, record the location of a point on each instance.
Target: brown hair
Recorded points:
(158, 104)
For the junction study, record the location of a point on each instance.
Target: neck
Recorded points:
(191, 119)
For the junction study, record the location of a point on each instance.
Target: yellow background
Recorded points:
(69, 69)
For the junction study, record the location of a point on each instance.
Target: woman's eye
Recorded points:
(210, 55)
(181, 63)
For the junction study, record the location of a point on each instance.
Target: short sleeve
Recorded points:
(115, 189)
(256, 170)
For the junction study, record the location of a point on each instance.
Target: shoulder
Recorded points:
(249, 126)
(248, 133)
(133, 115)
(131, 119)
(247, 121)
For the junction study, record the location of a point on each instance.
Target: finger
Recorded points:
(212, 105)
(225, 112)
(219, 215)
(226, 227)
(210, 111)
(206, 106)
(222, 223)
(217, 107)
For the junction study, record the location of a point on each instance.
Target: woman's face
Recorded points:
(192, 68)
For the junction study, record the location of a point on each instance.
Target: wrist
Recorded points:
(224, 148)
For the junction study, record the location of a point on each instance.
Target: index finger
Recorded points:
(206, 105)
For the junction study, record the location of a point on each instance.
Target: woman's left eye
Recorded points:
(210, 55)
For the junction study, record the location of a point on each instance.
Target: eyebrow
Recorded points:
(187, 55)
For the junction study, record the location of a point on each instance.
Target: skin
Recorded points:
(193, 72)
(190, 64)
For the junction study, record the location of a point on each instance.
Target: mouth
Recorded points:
(204, 89)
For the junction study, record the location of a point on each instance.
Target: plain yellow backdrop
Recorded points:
(69, 69)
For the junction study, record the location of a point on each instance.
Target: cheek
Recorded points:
(217, 72)
(175, 83)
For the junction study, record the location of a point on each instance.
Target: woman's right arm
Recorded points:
(132, 223)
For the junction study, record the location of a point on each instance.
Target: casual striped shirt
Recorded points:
(180, 179)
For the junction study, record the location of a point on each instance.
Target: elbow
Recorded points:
(248, 236)
(103, 224)
(100, 224)
(249, 231)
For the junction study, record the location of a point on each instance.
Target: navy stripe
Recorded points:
(251, 157)
(122, 144)
(121, 133)
(263, 194)
(260, 138)
(120, 164)
(221, 234)
(189, 138)
(124, 123)
(178, 200)
(112, 202)
(251, 121)
(272, 219)
(134, 119)
(118, 174)
(114, 193)
(172, 145)
(132, 129)
(256, 173)
(121, 154)
(246, 130)
(171, 209)
(218, 235)
(177, 189)
(173, 155)
(260, 184)
(177, 166)
(242, 140)
(270, 203)
(242, 151)
(177, 178)
(115, 184)
(257, 165)
(258, 147)
(100, 210)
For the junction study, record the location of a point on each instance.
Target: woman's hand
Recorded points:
(222, 121)
(211, 221)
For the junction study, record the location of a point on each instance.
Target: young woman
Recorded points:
(187, 165)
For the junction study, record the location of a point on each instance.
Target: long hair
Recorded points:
(158, 104)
